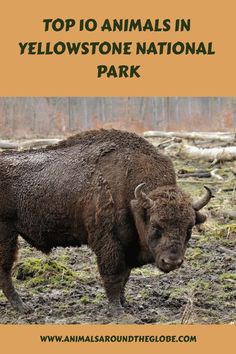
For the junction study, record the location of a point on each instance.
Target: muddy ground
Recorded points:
(65, 286)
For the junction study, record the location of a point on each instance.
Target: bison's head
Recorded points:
(164, 220)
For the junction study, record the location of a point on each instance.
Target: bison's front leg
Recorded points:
(113, 270)
(114, 286)
(122, 296)
(8, 250)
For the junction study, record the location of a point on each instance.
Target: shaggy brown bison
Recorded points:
(108, 189)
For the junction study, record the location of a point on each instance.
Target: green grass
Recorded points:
(39, 271)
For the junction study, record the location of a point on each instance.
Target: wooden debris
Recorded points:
(227, 190)
(209, 154)
(6, 144)
(227, 250)
(197, 174)
(215, 175)
(200, 174)
(187, 311)
(211, 136)
(231, 214)
(198, 182)
(35, 143)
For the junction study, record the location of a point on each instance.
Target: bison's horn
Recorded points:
(200, 203)
(145, 201)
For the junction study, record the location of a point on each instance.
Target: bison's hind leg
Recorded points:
(8, 250)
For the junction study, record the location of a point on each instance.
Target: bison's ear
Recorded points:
(140, 220)
(200, 218)
(139, 215)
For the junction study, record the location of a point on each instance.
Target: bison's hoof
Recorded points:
(126, 318)
(115, 311)
(20, 307)
(124, 303)
(27, 309)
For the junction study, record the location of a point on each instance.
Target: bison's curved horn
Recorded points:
(200, 203)
(142, 197)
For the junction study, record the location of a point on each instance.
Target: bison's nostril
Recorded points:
(179, 261)
(165, 260)
(172, 262)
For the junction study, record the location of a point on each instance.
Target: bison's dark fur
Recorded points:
(81, 191)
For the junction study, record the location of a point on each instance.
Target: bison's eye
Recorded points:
(157, 232)
(189, 233)
(155, 235)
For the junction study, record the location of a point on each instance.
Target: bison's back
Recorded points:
(60, 190)
(69, 174)
(123, 158)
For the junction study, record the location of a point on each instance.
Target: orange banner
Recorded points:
(117, 339)
(95, 48)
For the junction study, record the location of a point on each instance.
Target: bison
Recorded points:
(108, 189)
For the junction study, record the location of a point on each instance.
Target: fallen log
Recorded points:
(5, 144)
(200, 174)
(228, 190)
(209, 154)
(197, 174)
(227, 250)
(231, 214)
(210, 136)
(37, 143)
(190, 181)
(215, 175)
(28, 144)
